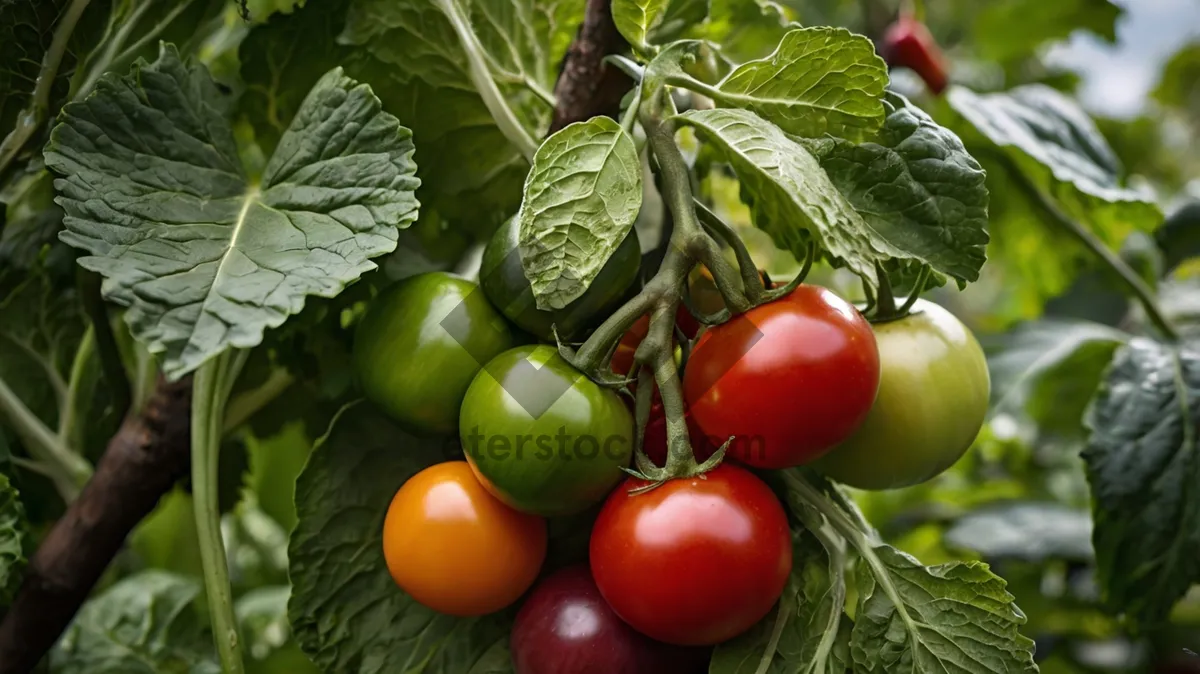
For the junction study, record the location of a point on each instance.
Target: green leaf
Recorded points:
(1035, 138)
(792, 197)
(1007, 30)
(471, 175)
(12, 535)
(745, 30)
(817, 81)
(1179, 86)
(1046, 368)
(580, 201)
(1179, 236)
(954, 617)
(205, 259)
(1143, 463)
(636, 18)
(808, 633)
(145, 623)
(916, 186)
(346, 612)
(1034, 532)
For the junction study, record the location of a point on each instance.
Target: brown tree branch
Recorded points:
(143, 461)
(587, 86)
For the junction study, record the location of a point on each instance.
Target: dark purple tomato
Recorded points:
(565, 627)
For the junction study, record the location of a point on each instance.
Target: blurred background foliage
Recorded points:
(1019, 500)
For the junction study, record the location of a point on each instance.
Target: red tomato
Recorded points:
(909, 44)
(788, 380)
(694, 561)
(565, 627)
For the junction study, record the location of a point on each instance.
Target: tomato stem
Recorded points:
(752, 283)
(1132, 280)
(213, 384)
(885, 301)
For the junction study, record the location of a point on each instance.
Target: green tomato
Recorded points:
(541, 436)
(421, 343)
(503, 281)
(932, 401)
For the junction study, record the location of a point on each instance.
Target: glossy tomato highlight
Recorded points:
(787, 380)
(695, 561)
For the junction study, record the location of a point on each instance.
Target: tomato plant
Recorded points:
(565, 627)
(255, 257)
(788, 380)
(421, 343)
(441, 524)
(933, 397)
(540, 435)
(692, 562)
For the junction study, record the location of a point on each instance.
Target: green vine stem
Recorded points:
(1133, 282)
(69, 470)
(31, 118)
(111, 364)
(247, 404)
(66, 416)
(212, 386)
(752, 282)
(859, 539)
(481, 77)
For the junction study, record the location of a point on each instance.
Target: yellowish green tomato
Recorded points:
(420, 344)
(932, 401)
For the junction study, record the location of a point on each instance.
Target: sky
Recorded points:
(1117, 78)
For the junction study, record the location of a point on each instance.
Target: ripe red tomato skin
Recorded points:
(788, 380)
(908, 43)
(695, 561)
(565, 627)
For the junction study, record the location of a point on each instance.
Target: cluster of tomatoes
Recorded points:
(693, 562)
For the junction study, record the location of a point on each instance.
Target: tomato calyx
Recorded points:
(883, 308)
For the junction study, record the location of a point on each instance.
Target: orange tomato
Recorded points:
(455, 548)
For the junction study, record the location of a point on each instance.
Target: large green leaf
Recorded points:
(1143, 463)
(792, 197)
(1030, 531)
(1035, 141)
(817, 81)
(12, 534)
(409, 50)
(807, 633)
(580, 201)
(636, 18)
(144, 624)
(1048, 370)
(1179, 85)
(1011, 29)
(346, 612)
(204, 258)
(954, 617)
(916, 186)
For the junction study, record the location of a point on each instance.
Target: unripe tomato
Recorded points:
(503, 281)
(907, 43)
(541, 436)
(455, 548)
(933, 398)
(565, 627)
(420, 344)
(695, 561)
(787, 380)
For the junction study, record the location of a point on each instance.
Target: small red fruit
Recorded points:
(908, 44)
